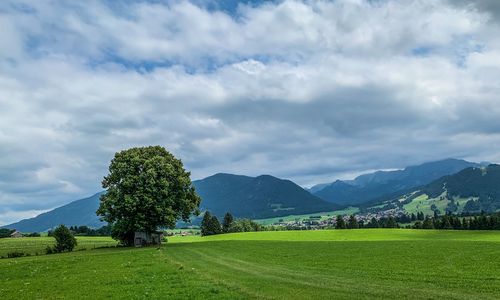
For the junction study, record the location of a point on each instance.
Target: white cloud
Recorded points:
(310, 90)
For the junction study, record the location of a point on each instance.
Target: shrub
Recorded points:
(14, 254)
(245, 225)
(33, 234)
(65, 241)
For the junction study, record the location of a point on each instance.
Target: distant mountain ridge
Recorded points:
(79, 212)
(266, 196)
(471, 190)
(368, 187)
(245, 197)
(480, 184)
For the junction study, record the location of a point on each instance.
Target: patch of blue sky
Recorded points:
(200, 65)
(18, 7)
(140, 66)
(458, 50)
(229, 7)
(463, 47)
(422, 51)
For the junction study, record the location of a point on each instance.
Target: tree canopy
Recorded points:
(4, 232)
(146, 188)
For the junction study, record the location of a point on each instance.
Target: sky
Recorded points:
(310, 91)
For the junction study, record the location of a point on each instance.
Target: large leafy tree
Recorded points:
(146, 188)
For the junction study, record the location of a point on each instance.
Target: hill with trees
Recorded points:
(256, 197)
(480, 185)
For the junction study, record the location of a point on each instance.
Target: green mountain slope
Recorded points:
(79, 212)
(257, 197)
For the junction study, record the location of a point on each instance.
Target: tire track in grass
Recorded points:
(337, 288)
(230, 286)
(339, 285)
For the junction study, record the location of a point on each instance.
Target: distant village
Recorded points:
(319, 222)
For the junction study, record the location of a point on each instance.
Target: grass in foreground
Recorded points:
(348, 264)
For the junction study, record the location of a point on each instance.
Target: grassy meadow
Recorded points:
(326, 264)
(424, 204)
(37, 246)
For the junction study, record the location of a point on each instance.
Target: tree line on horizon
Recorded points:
(210, 225)
(481, 222)
(445, 222)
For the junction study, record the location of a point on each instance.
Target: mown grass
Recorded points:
(37, 245)
(335, 264)
(376, 234)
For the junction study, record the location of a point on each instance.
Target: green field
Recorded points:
(37, 246)
(322, 215)
(322, 264)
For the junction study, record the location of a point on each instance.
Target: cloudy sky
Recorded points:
(306, 90)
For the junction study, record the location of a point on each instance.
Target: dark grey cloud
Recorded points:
(491, 7)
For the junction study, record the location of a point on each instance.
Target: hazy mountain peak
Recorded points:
(370, 186)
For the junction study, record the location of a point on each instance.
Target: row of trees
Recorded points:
(87, 231)
(482, 222)
(210, 225)
(5, 233)
(353, 223)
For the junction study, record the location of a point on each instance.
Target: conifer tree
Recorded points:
(353, 223)
(215, 225)
(340, 223)
(428, 224)
(227, 222)
(206, 224)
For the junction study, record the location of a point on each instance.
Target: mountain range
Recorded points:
(245, 197)
(257, 197)
(471, 190)
(79, 212)
(368, 187)
(417, 187)
(481, 186)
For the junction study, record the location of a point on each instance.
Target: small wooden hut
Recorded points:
(147, 238)
(16, 234)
